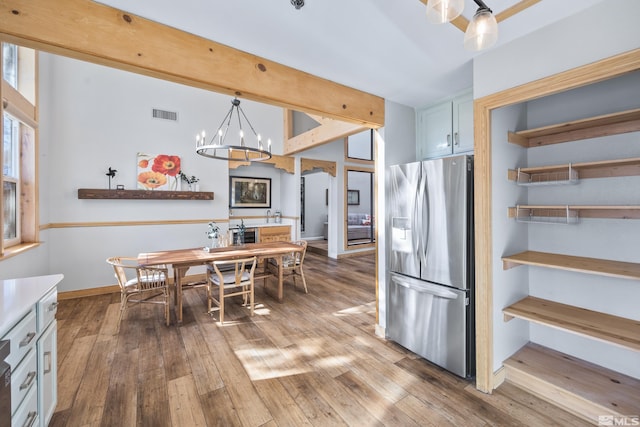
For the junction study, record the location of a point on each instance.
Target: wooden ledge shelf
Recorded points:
(522, 212)
(558, 174)
(591, 324)
(90, 193)
(602, 267)
(609, 124)
(582, 388)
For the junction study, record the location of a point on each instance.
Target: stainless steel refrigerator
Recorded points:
(431, 262)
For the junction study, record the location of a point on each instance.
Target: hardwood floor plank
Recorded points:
(317, 410)
(283, 408)
(153, 398)
(184, 404)
(313, 359)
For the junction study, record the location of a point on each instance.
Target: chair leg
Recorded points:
(221, 302)
(167, 299)
(251, 296)
(304, 282)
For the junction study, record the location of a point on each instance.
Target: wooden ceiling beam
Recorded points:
(329, 130)
(93, 32)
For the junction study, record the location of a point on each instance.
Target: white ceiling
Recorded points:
(384, 47)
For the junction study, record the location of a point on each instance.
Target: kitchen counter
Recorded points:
(18, 296)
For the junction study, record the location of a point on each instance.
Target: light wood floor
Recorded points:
(312, 360)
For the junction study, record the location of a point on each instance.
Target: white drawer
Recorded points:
(47, 309)
(23, 338)
(27, 413)
(23, 379)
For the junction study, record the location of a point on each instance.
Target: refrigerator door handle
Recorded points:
(425, 288)
(420, 222)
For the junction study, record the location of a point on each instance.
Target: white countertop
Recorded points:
(17, 296)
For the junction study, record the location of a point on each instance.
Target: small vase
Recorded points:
(241, 238)
(214, 243)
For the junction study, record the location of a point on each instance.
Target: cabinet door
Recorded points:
(434, 131)
(47, 374)
(463, 124)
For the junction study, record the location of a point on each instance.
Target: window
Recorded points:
(10, 179)
(18, 204)
(10, 64)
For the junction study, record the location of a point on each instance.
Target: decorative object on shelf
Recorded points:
(159, 172)
(277, 217)
(480, 33)
(111, 174)
(246, 192)
(214, 234)
(191, 181)
(353, 197)
(219, 148)
(119, 187)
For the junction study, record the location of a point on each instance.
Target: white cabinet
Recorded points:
(446, 128)
(27, 319)
(47, 373)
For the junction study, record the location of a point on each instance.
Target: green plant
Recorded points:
(188, 179)
(214, 231)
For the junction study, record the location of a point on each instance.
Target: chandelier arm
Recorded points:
(482, 5)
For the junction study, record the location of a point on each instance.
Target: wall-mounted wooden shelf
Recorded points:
(570, 213)
(592, 324)
(573, 172)
(90, 193)
(585, 389)
(609, 124)
(602, 267)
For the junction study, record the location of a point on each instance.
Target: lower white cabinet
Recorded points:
(47, 373)
(30, 325)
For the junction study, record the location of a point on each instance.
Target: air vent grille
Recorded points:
(164, 115)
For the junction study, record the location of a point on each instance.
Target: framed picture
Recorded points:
(353, 197)
(247, 192)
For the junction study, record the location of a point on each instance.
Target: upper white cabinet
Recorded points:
(446, 128)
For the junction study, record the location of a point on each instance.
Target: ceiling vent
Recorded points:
(165, 115)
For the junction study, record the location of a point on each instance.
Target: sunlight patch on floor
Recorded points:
(368, 308)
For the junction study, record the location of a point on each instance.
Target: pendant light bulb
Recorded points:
(441, 11)
(482, 31)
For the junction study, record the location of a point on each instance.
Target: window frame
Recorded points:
(21, 109)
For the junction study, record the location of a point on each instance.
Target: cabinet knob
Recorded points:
(448, 140)
(456, 139)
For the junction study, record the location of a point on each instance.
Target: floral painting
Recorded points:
(158, 172)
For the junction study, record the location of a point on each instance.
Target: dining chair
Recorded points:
(292, 264)
(148, 283)
(230, 278)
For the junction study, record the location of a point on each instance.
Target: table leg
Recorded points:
(179, 273)
(280, 279)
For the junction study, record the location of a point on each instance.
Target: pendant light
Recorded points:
(482, 31)
(441, 11)
(219, 148)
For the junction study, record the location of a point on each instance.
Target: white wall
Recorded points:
(396, 145)
(594, 34)
(316, 209)
(93, 118)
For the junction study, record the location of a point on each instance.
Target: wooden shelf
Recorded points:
(592, 324)
(545, 175)
(609, 124)
(602, 267)
(90, 193)
(521, 212)
(582, 388)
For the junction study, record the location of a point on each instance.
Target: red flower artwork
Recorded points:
(166, 165)
(158, 172)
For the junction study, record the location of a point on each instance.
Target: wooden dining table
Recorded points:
(183, 259)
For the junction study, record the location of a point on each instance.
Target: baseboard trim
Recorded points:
(111, 289)
(82, 293)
